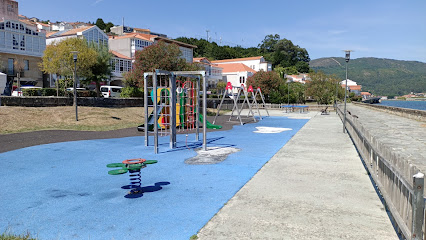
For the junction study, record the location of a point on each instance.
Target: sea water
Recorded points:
(420, 105)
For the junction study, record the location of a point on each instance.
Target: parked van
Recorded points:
(110, 91)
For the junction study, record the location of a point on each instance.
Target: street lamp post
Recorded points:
(347, 58)
(335, 99)
(288, 91)
(75, 83)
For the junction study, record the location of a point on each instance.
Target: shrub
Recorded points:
(82, 93)
(31, 92)
(128, 92)
(48, 92)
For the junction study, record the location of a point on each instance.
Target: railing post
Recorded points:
(418, 206)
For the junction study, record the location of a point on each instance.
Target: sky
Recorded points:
(392, 29)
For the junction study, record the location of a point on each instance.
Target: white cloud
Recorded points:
(96, 2)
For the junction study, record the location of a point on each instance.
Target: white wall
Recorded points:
(234, 78)
(34, 42)
(58, 39)
(2, 82)
(256, 64)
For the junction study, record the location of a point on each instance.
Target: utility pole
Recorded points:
(207, 34)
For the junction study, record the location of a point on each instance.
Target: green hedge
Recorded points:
(128, 92)
(52, 92)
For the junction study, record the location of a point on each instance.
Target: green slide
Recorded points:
(209, 124)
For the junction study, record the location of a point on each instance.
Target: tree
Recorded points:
(158, 56)
(267, 81)
(19, 66)
(286, 71)
(101, 70)
(58, 59)
(287, 54)
(100, 23)
(108, 27)
(267, 47)
(302, 67)
(322, 87)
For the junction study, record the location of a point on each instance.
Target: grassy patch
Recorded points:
(26, 119)
(7, 236)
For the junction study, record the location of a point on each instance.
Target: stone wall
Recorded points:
(228, 104)
(418, 115)
(66, 101)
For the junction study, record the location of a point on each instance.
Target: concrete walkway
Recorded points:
(315, 187)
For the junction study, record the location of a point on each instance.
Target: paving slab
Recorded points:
(315, 187)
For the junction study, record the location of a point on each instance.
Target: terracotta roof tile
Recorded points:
(119, 55)
(48, 34)
(237, 59)
(43, 24)
(146, 37)
(236, 67)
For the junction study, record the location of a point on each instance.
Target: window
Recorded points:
(15, 42)
(22, 44)
(1, 25)
(26, 65)
(8, 24)
(242, 80)
(121, 65)
(10, 68)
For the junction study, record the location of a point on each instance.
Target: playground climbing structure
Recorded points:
(175, 100)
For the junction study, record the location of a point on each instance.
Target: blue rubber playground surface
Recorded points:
(63, 190)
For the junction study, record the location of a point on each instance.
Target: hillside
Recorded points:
(377, 75)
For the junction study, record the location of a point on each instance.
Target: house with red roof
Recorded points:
(120, 64)
(301, 78)
(255, 63)
(236, 73)
(121, 30)
(352, 87)
(365, 95)
(213, 71)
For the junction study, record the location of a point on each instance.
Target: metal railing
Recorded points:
(403, 197)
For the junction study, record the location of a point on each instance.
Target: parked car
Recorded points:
(110, 91)
(70, 89)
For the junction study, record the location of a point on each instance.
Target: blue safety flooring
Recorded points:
(63, 191)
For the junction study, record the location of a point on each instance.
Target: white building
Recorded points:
(120, 64)
(90, 33)
(60, 26)
(236, 73)
(21, 45)
(301, 78)
(352, 86)
(129, 43)
(213, 71)
(255, 63)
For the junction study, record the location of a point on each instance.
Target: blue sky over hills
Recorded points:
(384, 29)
